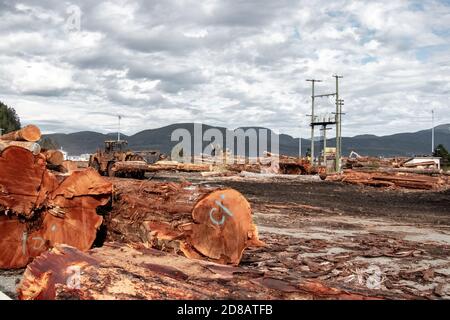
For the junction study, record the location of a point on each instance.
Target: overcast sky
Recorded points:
(227, 63)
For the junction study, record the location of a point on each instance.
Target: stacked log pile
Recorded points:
(269, 163)
(199, 222)
(39, 209)
(393, 179)
(396, 164)
(373, 162)
(115, 271)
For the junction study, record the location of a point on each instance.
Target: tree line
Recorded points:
(10, 121)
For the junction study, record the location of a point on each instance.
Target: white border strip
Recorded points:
(4, 296)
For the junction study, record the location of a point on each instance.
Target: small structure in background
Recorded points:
(81, 157)
(423, 163)
(330, 156)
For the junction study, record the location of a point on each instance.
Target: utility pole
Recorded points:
(313, 81)
(432, 132)
(338, 126)
(325, 145)
(341, 103)
(118, 131)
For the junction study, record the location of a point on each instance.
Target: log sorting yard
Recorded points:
(270, 229)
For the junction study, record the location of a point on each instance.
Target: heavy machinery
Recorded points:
(117, 160)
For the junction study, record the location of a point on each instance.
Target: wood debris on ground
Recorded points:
(116, 271)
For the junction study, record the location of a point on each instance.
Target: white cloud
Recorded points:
(226, 63)
(33, 77)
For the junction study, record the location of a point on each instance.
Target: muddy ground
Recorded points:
(388, 243)
(391, 244)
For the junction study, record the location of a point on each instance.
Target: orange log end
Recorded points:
(30, 133)
(223, 227)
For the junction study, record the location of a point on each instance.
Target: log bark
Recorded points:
(38, 210)
(28, 133)
(126, 166)
(117, 271)
(31, 146)
(201, 222)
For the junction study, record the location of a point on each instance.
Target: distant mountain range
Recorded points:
(400, 144)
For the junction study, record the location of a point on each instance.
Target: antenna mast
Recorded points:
(118, 130)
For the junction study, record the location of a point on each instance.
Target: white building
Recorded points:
(424, 162)
(82, 157)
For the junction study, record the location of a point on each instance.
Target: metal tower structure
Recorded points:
(338, 125)
(324, 124)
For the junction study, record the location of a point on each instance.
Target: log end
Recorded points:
(223, 226)
(31, 133)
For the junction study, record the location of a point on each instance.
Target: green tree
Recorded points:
(9, 120)
(440, 151)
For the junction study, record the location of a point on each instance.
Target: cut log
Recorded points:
(201, 222)
(129, 166)
(37, 211)
(28, 133)
(178, 166)
(119, 272)
(31, 146)
(54, 157)
(392, 179)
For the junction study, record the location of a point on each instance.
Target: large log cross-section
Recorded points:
(39, 211)
(202, 222)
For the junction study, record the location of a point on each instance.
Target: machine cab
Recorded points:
(112, 146)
